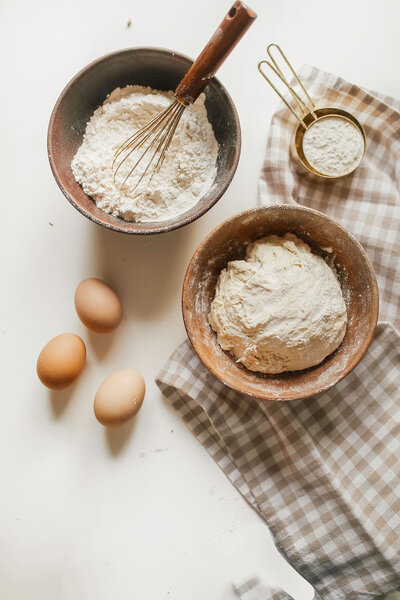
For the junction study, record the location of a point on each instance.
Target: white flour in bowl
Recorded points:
(333, 146)
(187, 172)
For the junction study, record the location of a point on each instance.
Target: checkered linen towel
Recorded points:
(324, 473)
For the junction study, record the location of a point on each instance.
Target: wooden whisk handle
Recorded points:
(233, 27)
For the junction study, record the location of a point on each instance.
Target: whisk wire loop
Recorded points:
(139, 132)
(165, 134)
(157, 132)
(169, 135)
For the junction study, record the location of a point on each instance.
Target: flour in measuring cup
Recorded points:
(333, 146)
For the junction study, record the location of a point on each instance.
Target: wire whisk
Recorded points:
(156, 136)
(157, 133)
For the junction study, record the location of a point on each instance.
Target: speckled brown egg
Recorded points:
(119, 397)
(97, 305)
(61, 361)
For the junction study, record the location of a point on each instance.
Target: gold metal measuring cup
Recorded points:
(306, 115)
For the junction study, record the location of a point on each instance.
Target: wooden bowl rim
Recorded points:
(151, 229)
(242, 388)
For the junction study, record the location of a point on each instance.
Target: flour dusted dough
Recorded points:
(280, 309)
(187, 172)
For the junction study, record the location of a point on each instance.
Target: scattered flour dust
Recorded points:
(187, 172)
(333, 146)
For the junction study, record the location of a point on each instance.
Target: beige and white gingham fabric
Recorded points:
(324, 473)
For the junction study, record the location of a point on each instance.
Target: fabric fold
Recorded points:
(253, 589)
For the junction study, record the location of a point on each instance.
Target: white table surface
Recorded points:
(142, 512)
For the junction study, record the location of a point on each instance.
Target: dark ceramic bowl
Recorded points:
(228, 242)
(160, 69)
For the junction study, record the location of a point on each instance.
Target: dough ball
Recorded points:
(280, 309)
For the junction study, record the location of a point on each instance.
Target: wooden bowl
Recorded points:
(161, 69)
(228, 242)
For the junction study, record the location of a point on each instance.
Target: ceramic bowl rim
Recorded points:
(242, 388)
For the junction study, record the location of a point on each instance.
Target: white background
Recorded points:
(142, 512)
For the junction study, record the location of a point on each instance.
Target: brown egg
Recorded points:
(61, 361)
(97, 305)
(119, 397)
